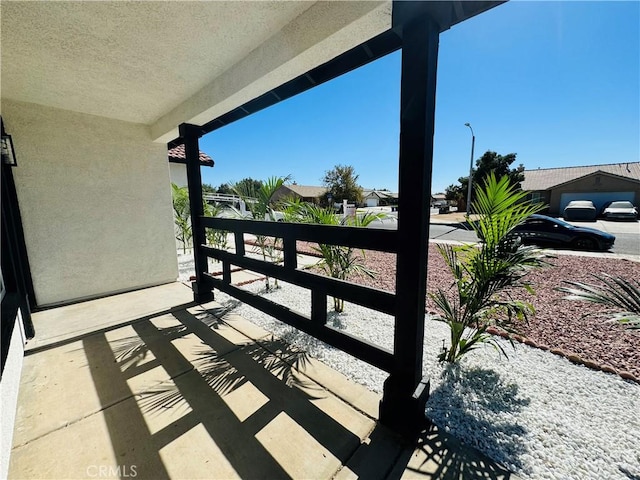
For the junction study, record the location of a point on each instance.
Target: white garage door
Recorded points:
(598, 198)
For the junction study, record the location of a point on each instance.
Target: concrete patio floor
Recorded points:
(149, 385)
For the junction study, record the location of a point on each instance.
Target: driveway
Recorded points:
(611, 226)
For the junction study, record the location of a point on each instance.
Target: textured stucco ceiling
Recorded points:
(162, 63)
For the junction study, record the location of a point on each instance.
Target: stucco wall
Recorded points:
(9, 389)
(95, 200)
(178, 173)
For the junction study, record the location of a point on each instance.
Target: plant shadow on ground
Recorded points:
(477, 406)
(631, 475)
(437, 454)
(273, 354)
(208, 361)
(219, 379)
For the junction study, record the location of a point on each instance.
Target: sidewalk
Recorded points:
(193, 391)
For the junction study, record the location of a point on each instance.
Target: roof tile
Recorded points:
(545, 178)
(178, 154)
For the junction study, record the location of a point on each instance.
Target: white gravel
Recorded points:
(538, 414)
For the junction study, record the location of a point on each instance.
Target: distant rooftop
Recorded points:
(545, 178)
(178, 155)
(379, 193)
(307, 191)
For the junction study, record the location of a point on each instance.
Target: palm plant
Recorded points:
(337, 261)
(259, 203)
(619, 294)
(181, 214)
(498, 265)
(215, 238)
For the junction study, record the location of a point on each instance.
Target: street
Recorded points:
(627, 233)
(626, 243)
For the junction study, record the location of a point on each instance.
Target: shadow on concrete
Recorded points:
(202, 375)
(196, 393)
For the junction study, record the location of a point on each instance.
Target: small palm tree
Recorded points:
(619, 294)
(215, 238)
(259, 203)
(337, 261)
(482, 272)
(181, 215)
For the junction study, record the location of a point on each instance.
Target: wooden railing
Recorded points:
(415, 28)
(320, 286)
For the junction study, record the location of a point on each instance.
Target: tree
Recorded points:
(341, 183)
(225, 188)
(247, 186)
(490, 162)
(481, 273)
(458, 193)
(499, 165)
(208, 188)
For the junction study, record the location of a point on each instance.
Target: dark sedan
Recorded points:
(554, 233)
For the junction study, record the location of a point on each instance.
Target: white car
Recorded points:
(580, 210)
(620, 209)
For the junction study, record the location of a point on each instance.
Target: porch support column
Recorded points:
(405, 391)
(202, 289)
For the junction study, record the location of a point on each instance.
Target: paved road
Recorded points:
(627, 234)
(626, 243)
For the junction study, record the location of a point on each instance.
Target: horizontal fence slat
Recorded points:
(373, 298)
(359, 348)
(356, 237)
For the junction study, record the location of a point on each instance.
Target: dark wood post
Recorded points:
(405, 391)
(202, 289)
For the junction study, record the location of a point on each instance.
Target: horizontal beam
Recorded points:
(359, 348)
(444, 14)
(356, 237)
(368, 297)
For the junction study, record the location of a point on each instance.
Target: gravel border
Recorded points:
(540, 415)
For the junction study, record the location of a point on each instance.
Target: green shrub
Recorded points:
(482, 272)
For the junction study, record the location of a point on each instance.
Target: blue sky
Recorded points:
(558, 83)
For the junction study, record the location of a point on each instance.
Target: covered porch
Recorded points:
(167, 388)
(161, 380)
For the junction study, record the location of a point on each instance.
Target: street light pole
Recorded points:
(473, 143)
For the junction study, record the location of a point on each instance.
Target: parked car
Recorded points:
(580, 210)
(620, 209)
(554, 233)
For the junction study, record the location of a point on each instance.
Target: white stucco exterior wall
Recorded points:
(9, 389)
(95, 200)
(178, 174)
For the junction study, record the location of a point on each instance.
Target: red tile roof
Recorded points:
(178, 155)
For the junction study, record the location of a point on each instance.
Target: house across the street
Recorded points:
(305, 193)
(377, 198)
(599, 183)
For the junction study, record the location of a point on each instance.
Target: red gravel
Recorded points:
(559, 324)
